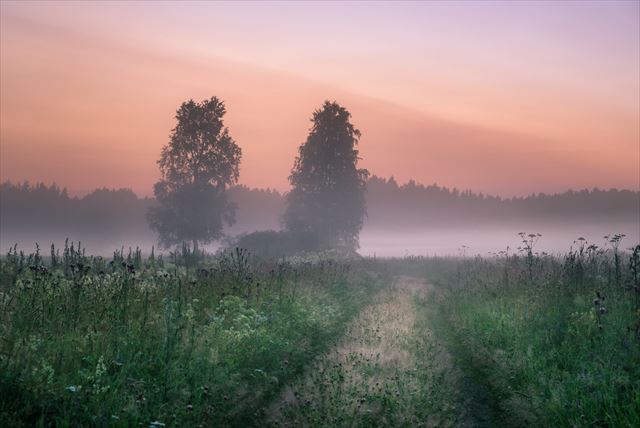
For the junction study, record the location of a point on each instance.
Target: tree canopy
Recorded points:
(196, 167)
(328, 188)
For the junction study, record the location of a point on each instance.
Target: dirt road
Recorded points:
(388, 370)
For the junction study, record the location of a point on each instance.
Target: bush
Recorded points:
(272, 244)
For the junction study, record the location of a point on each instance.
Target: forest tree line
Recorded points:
(40, 209)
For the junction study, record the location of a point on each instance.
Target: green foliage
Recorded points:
(554, 341)
(524, 339)
(197, 165)
(269, 244)
(328, 189)
(129, 341)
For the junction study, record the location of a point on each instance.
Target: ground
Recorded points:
(388, 369)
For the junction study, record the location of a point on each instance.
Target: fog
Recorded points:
(402, 219)
(380, 243)
(491, 239)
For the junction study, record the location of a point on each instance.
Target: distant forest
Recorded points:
(29, 212)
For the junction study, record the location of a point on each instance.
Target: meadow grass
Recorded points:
(550, 340)
(181, 342)
(513, 339)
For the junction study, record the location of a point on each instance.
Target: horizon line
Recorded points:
(81, 195)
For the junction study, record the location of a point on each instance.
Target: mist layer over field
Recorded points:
(401, 219)
(460, 240)
(482, 240)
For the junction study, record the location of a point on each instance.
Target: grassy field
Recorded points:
(544, 340)
(86, 341)
(520, 339)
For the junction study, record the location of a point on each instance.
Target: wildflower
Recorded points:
(602, 310)
(72, 388)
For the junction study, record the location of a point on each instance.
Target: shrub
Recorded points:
(271, 244)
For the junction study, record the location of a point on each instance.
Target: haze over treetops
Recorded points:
(504, 98)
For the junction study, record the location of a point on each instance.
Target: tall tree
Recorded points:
(328, 189)
(196, 167)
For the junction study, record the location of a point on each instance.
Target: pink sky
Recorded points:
(496, 97)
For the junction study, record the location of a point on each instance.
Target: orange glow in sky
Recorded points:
(502, 98)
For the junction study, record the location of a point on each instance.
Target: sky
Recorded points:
(503, 98)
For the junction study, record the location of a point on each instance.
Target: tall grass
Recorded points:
(555, 340)
(181, 340)
(187, 339)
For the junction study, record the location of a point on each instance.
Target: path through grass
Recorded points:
(388, 370)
